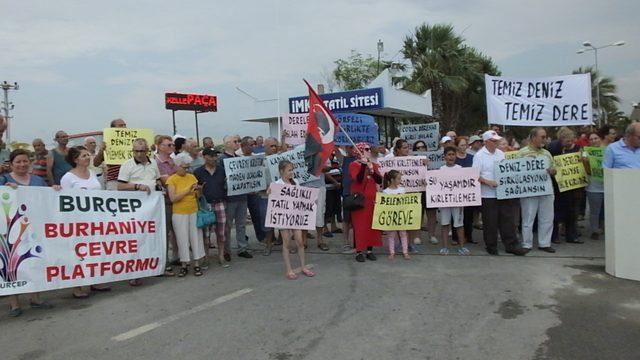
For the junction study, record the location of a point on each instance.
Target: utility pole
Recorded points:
(7, 106)
(380, 49)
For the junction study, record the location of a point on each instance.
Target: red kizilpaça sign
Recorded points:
(192, 102)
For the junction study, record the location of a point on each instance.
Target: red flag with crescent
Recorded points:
(321, 129)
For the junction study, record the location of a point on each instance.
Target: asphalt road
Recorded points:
(558, 306)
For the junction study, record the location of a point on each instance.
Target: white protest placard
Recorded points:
(435, 159)
(296, 156)
(453, 188)
(291, 207)
(59, 239)
(548, 101)
(429, 133)
(412, 169)
(245, 174)
(523, 177)
(295, 128)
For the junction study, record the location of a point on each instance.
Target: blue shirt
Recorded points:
(346, 178)
(466, 162)
(621, 156)
(214, 184)
(33, 180)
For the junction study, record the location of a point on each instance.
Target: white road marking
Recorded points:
(169, 319)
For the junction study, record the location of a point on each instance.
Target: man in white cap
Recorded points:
(446, 141)
(496, 214)
(475, 144)
(452, 134)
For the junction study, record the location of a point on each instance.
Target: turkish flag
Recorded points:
(321, 129)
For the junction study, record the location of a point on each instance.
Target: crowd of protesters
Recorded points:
(184, 171)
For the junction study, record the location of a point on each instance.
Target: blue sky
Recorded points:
(82, 63)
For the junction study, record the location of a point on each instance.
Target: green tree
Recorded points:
(609, 100)
(357, 71)
(453, 71)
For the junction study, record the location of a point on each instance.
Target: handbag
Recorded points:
(354, 201)
(205, 215)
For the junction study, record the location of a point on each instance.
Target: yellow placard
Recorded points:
(397, 212)
(119, 143)
(510, 155)
(570, 172)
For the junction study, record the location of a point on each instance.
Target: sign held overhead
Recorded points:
(550, 101)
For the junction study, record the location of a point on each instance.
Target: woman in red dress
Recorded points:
(364, 176)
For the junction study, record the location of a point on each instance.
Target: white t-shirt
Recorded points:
(486, 162)
(398, 190)
(281, 182)
(455, 166)
(134, 172)
(72, 181)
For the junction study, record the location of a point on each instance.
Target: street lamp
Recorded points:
(380, 49)
(589, 47)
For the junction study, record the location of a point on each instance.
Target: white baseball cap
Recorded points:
(445, 139)
(490, 135)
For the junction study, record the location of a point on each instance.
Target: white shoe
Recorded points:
(433, 240)
(417, 241)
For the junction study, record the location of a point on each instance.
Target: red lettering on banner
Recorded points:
(90, 270)
(129, 267)
(100, 248)
(52, 271)
(50, 230)
(66, 230)
(77, 272)
(81, 229)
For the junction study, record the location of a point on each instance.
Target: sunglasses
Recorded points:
(366, 149)
(421, 147)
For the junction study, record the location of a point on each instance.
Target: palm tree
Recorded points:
(452, 70)
(609, 100)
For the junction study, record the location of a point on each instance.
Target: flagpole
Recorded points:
(351, 141)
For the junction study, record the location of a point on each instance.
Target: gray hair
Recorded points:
(534, 132)
(228, 138)
(631, 129)
(140, 141)
(182, 159)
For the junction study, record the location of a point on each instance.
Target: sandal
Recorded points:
(183, 271)
(406, 256)
(80, 295)
(292, 276)
(168, 271)
(197, 271)
(308, 272)
(15, 312)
